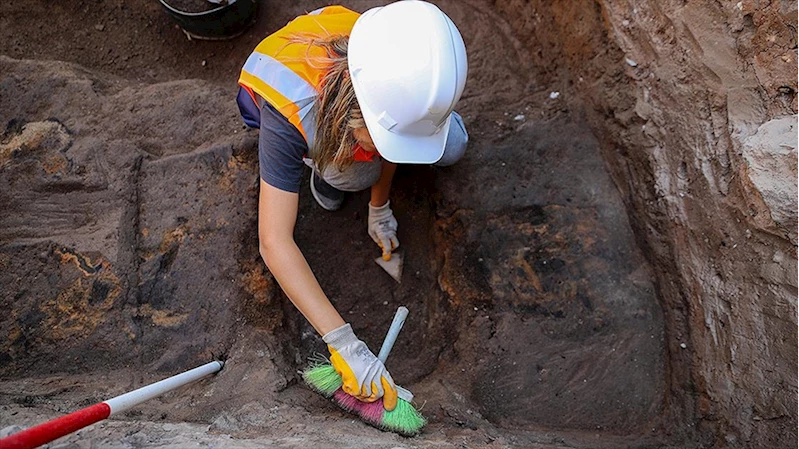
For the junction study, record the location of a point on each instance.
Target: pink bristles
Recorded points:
(372, 413)
(347, 402)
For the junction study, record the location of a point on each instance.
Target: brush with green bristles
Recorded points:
(404, 419)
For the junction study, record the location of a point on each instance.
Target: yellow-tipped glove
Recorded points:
(383, 228)
(362, 374)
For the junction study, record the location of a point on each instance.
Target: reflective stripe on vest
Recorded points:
(275, 81)
(278, 70)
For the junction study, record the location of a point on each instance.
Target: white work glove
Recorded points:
(383, 228)
(362, 374)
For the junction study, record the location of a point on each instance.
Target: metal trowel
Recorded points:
(392, 266)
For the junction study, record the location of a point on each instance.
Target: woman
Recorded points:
(350, 96)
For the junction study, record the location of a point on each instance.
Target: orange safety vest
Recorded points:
(278, 70)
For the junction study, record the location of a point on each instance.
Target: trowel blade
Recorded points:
(393, 266)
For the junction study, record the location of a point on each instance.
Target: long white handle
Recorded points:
(135, 397)
(64, 425)
(393, 332)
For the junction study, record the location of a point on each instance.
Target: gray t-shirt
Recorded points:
(281, 148)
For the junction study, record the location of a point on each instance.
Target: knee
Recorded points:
(456, 142)
(358, 176)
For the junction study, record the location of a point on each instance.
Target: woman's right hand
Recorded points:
(363, 375)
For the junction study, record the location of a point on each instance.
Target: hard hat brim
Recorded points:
(407, 149)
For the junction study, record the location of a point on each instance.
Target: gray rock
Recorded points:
(771, 165)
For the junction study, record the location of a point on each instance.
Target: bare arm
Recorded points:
(277, 215)
(381, 190)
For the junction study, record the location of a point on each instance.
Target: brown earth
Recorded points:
(613, 263)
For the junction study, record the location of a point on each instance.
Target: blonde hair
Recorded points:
(337, 110)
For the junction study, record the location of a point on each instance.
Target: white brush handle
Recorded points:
(393, 332)
(404, 394)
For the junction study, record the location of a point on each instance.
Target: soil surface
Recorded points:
(128, 250)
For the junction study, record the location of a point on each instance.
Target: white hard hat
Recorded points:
(407, 62)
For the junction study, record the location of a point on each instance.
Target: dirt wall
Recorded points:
(694, 104)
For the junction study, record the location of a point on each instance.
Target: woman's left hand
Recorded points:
(383, 228)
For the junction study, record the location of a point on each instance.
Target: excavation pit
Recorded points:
(582, 278)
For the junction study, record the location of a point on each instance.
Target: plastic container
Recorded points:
(225, 22)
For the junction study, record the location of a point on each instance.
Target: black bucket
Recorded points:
(224, 22)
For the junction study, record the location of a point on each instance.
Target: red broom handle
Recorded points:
(57, 428)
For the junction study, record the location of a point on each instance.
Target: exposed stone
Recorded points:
(770, 155)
